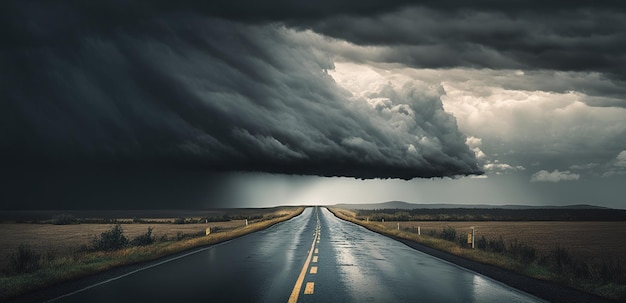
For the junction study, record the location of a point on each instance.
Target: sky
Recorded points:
(199, 104)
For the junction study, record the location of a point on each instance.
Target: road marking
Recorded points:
(296, 288)
(137, 270)
(308, 289)
(314, 259)
(316, 251)
(313, 270)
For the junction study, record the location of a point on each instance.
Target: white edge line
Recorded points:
(135, 271)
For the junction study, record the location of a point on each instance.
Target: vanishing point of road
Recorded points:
(314, 257)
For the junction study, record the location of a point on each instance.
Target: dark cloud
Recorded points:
(570, 39)
(533, 35)
(179, 90)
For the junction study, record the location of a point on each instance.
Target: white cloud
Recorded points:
(554, 176)
(617, 166)
(583, 166)
(474, 144)
(499, 168)
(620, 160)
(519, 118)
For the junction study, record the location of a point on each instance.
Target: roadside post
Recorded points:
(470, 237)
(473, 235)
(398, 225)
(419, 231)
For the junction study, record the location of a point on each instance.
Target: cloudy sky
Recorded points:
(184, 104)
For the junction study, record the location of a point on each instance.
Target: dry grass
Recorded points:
(596, 241)
(65, 239)
(589, 240)
(87, 263)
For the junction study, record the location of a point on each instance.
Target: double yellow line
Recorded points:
(296, 288)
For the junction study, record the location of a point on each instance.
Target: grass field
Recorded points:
(590, 256)
(591, 240)
(54, 254)
(64, 240)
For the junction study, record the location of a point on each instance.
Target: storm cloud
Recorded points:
(181, 90)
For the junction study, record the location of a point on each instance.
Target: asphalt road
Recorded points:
(314, 257)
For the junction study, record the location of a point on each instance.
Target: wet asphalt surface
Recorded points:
(352, 264)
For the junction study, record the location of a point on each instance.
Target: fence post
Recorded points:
(398, 225)
(473, 236)
(419, 232)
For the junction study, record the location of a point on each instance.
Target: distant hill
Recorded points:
(406, 205)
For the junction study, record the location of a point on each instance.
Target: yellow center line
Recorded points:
(314, 259)
(313, 270)
(308, 289)
(316, 251)
(296, 288)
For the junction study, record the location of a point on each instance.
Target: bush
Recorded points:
(25, 260)
(163, 238)
(448, 233)
(497, 245)
(112, 239)
(613, 270)
(558, 259)
(50, 256)
(144, 239)
(522, 252)
(63, 219)
(482, 243)
(463, 240)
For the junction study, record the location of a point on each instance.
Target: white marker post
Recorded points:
(473, 235)
(246, 222)
(419, 231)
(398, 225)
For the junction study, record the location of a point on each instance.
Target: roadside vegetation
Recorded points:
(29, 269)
(491, 214)
(605, 277)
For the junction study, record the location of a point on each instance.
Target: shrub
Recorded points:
(448, 233)
(522, 252)
(482, 243)
(112, 239)
(163, 238)
(497, 245)
(50, 256)
(179, 220)
(612, 270)
(25, 260)
(463, 240)
(63, 219)
(559, 259)
(144, 239)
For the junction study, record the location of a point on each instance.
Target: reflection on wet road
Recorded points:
(314, 257)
